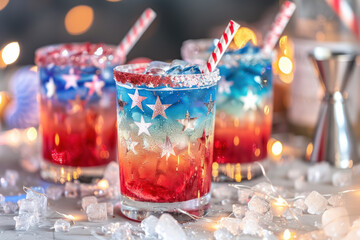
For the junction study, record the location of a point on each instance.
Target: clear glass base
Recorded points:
(181, 211)
(61, 174)
(237, 172)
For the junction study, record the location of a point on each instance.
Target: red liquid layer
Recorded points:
(241, 140)
(147, 177)
(84, 138)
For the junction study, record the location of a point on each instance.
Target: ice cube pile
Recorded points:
(31, 209)
(176, 67)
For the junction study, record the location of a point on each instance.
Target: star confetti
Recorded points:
(70, 79)
(77, 105)
(95, 85)
(203, 140)
(136, 99)
(187, 122)
(121, 105)
(159, 108)
(224, 86)
(210, 106)
(249, 101)
(130, 146)
(143, 126)
(167, 148)
(50, 88)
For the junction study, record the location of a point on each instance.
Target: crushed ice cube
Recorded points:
(96, 212)
(253, 216)
(62, 225)
(86, 201)
(11, 176)
(111, 227)
(223, 233)
(38, 195)
(300, 204)
(295, 173)
(169, 229)
(30, 207)
(231, 224)
(71, 189)
(111, 174)
(319, 173)
(23, 222)
(264, 189)
(315, 203)
(239, 210)
(174, 70)
(191, 70)
(342, 178)
(178, 62)
(148, 225)
(244, 195)
(86, 190)
(109, 208)
(10, 207)
(122, 231)
(292, 213)
(54, 192)
(335, 222)
(299, 183)
(157, 68)
(222, 192)
(250, 225)
(336, 200)
(267, 218)
(258, 205)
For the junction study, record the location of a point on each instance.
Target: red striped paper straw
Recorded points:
(222, 45)
(346, 15)
(134, 34)
(278, 26)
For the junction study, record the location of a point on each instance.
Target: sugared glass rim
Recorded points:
(136, 71)
(43, 57)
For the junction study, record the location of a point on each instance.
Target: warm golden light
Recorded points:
(79, 19)
(57, 139)
(243, 36)
(3, 4)
(309, 150)
(10, 53)
(277, 148)
(31, 134)
(279, 206)
(34, 69)
(113, 0)
(236, 140)
(14, 137)
(285, 65)
(287, 234)
(103, 184)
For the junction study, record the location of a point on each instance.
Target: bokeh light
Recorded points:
(277, 148)
(285, 65)
(10, 53)
(31, 134)
(79, 19)
(3, 4)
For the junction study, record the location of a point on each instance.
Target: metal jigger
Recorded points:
(334, 140)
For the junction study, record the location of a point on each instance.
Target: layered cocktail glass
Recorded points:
(77, 110)
(165, 140)
(243, 109)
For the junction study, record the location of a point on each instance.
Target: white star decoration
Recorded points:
(159, 108)
(167, 148)
(187, 122)
(224, 86)
(50, 88)
(130, 145)
(143, 126)
(210, 106)
(136, 99)
(249, 101)
(95, 86)
(70, 79)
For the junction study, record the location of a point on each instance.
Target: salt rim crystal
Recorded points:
(164, 81)
(78, 55)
